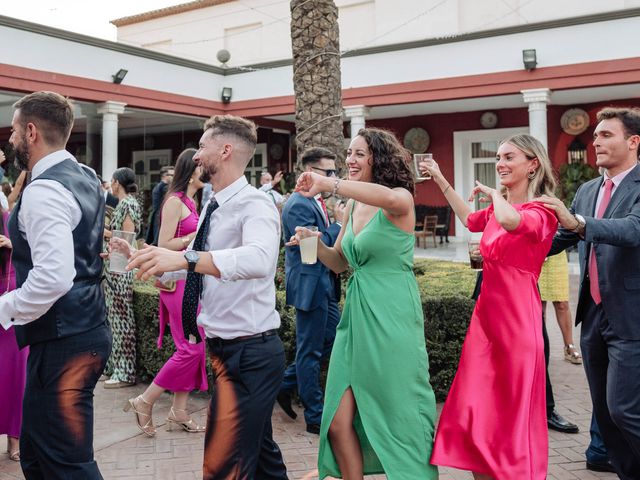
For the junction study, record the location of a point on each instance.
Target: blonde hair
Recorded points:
(544, 180)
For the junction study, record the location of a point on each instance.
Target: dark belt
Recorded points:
(215, 342)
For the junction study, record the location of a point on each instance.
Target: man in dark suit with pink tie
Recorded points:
(604, 221)
(313, 291)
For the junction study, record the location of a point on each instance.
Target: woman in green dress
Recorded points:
(118, 289)
(379, 407)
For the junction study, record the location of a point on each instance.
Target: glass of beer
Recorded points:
(475, 258)
(421, 157)
(308, 244)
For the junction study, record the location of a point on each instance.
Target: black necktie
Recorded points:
(193, 286)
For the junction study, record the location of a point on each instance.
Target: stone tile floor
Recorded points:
(123, 452)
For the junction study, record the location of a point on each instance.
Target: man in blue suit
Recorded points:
(605, 223)
(314, 291)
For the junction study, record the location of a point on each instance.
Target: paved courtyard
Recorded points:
(124, 453)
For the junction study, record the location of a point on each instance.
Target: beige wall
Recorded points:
(257, 31)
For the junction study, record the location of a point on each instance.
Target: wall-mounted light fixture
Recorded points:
(529, 58)
(119, 76)
(225, 96)
(577, 152)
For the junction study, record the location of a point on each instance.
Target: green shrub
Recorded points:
(445, 290)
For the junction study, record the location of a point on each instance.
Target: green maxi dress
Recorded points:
(380, 352)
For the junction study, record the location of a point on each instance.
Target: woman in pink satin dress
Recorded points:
(186, 369)
(13, 367)
(494, 420)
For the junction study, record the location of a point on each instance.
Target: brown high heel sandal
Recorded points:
(147, 428)
(189, 425)
(15, 454)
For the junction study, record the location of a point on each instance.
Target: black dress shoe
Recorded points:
(556, 422)
(600, 467)
(284, 400)
(313, 428)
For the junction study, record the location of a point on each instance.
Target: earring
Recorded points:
(191, 180)
(531, 175)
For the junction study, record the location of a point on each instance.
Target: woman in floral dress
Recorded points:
(121, 367)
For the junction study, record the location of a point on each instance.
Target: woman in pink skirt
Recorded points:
(185, 370)
(13, 366)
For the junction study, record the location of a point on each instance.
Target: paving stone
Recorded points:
(123, 452)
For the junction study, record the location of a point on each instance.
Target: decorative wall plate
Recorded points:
(574, 121)
(489, 119)
(416, 140)
(276, 151)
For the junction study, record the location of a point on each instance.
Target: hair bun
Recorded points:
(131, 188)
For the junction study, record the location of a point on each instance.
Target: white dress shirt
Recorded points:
(4, 202)
(616, 182)
(275, 196)
(244, 243)
(48, 215)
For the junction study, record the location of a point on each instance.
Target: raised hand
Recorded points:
(310, 184)
(480, 188)
(276, 178)
(429, 167)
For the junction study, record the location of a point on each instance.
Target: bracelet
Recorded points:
(444, 192)
(336, 184)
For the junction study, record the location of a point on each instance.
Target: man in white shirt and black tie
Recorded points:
(230, 268)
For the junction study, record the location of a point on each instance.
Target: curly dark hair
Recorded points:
(391, 161)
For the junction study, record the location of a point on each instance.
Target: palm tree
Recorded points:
(315, 43)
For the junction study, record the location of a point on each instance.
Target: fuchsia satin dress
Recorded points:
(186, 369)
(494, 420)
(13, 365)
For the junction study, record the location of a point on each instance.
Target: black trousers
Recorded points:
(551, 404)
(56, 442)
(239, 441)
(612, 365)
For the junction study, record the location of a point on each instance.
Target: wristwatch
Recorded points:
(581, 224)
(192, 258)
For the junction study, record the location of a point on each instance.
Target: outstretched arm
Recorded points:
(394, 201)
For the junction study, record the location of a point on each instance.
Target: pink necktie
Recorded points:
(324, 209)
(593, 266)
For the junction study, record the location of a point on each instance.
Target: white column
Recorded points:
(537, 99)
(357, 115)
(110, 111)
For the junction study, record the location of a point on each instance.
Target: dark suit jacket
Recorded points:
(617, 239)
(306, 285)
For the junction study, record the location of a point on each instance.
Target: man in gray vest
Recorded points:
(57, 308)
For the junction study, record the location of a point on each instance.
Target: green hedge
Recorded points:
(445, 290)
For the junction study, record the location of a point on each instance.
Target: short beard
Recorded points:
(205, 177)
(209, 172)
(21, 156)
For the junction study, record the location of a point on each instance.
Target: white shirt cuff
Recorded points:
(226, 262)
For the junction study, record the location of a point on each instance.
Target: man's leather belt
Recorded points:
(222, 341)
